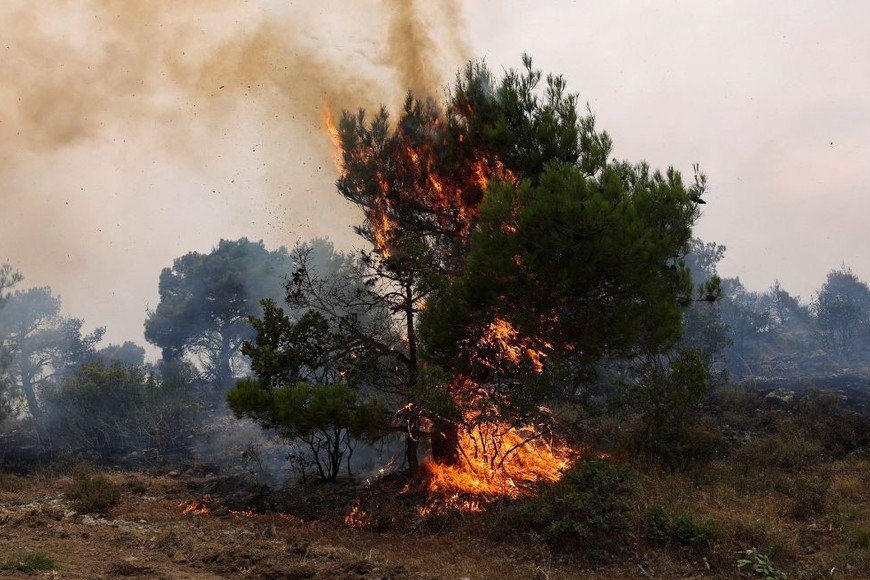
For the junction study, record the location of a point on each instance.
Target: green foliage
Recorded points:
(46, 346)
(667, 393)
(306, 386)
(284, 352)
(111, 408)
(587, 509)
(662, 529)
(752, 560)
(860, 538)
(206, 299)
(842, 309)
(588, 265)
(327, 418)
(33, 561)
(91, 492)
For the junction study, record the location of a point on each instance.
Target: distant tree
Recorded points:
(8, 279)
(703, 259)
(748, 318)
(45, 345)
(108, 407)
(703, 327)
(129, 353)
(842, 310)
(205, 302)
(306, 387)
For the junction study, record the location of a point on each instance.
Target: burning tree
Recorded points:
(504, 238)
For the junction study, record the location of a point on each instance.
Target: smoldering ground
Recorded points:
(136, 132)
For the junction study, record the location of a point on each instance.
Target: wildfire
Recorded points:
(404, 185)
(502, 340)
(334, 135)
(408, 171)
(196, 507)
(357, 517)
(497, 459)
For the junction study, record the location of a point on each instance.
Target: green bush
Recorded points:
(30, 562)
(586, 510)
(752, 560)
(860, 538)
(662, 529)
(113, 408)
(668, 396)
(92, 493)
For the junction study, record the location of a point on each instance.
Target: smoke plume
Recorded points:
(134, 132)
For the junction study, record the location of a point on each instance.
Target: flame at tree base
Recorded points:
(499, 460)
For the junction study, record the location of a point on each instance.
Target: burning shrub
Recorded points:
(91, 492)
(587, 510)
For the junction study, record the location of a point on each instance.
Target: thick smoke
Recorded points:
(135, 132)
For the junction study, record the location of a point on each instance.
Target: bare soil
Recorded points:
(148, 536)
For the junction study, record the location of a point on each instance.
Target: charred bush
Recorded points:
(827, 417)
(587, 510)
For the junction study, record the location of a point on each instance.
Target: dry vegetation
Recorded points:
(792, 483)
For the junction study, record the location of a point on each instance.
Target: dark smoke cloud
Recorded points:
(134, 132)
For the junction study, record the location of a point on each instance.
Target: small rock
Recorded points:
(780, 398)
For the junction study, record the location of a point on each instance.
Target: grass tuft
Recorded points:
(30, 562)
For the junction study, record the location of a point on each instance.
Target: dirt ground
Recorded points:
(146, 535)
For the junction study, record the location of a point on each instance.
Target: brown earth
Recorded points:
(147, 536)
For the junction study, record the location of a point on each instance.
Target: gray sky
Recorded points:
(134, 132)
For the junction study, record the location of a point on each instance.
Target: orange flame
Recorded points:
(411, 176)
(336, 138)
(509, 343)
(498, 459)
(357, 517)
(196, 507)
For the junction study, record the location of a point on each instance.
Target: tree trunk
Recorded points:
(445, 442)
(412, 436)
(30, 395)
(224, 371)
(412, 444)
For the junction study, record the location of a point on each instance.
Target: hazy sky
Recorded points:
(134, 132)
